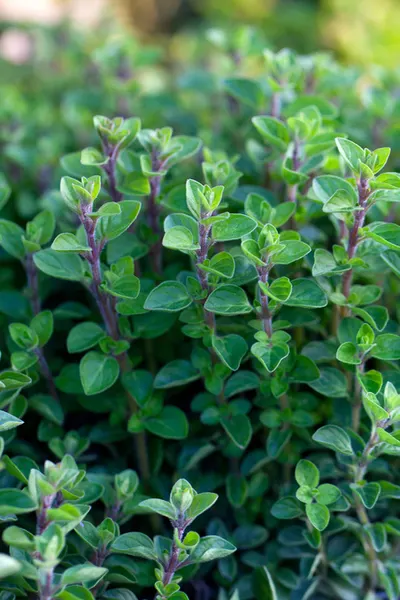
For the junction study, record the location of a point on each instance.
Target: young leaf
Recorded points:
(169, 296)
(335, 438)
(98, 372)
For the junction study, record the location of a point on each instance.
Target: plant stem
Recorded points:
(276, 105)
(201, 253)
(292, 189)
(360, 509)
(110, 169)
(363, 193)
(173, 561)
(33, 284)
(266, 316)
(356, 410)
(46, 588)
(41, 519)
(110, 320)
(47, 374)
(98, 559)
(153, 212)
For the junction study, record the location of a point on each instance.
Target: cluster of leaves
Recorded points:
(213, 301)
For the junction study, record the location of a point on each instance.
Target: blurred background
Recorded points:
(356, 31)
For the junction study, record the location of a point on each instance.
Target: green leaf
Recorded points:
(108, 209)
(48, 407)
(387, 347)
(180, 238)
(293, 250)
(352, 153)
(335, 438)
(239, 429)
(22, 360)
(236, 490)
(201, 503)
(318, 515)
(341, 202)
(388, 438)
(277, 440)
(42, 324)
(228, 299)
(233, 228)
(23, 336)
(263, 585)
(8, 421)
(331, 383)
(83, 574)
(177, 372)
(15, 502)
(59, 265)
(11, 238)
(221, 264)
(9, 566)
(325, 264)
(306, 293)
(368, 493)
(377, 534)
(307, 474)
(98, 372)
(271, 354)
(171, 423)
(111, 227)
(211, 547)
(272, 131)
(387, 234)
(68, 242)
(247, 91)
(161, 507)
(169, 296)
(10, 380)
(134, 544)
(230, 349)
(279, 290)
(325, 186)
(392, 259)
(84, 336)
(126, 286)
(5, 191)
(328, 494)
(286, 508)
(347, 353)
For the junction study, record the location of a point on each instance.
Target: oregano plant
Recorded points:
(200, 262)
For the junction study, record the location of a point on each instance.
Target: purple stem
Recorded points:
(110, 169)
(93, 258)
(173, 561)
(98, 559)
(46, 372)
(363, 193)
(33, 284)
(266, 317)
(46, 588)
(110, 319)
(292, 190)
(201, 253)
(153, 212)
(275, 105)
(41, 521)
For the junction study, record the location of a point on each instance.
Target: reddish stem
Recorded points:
(363, 193)
(266, 316)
